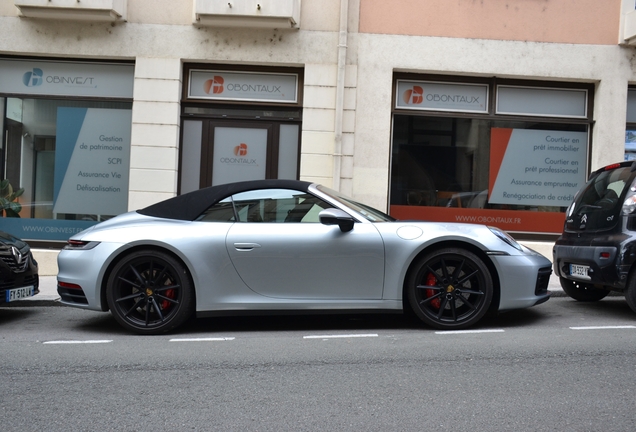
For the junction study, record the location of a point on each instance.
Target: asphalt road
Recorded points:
(563, 365)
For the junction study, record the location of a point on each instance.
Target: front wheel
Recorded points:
(450, 289)
(581, 291)
(149, 292)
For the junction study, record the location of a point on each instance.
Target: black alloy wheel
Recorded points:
(583, 292)
(149, 292)
(450, 289)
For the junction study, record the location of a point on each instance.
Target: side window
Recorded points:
(223, 211)
(278, 206)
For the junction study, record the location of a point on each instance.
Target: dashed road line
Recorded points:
(451, 332)
(603, 327)
(340, 336)
(331, 336)
(62, 342)
(216, 339)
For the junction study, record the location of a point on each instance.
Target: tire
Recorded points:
(630, 291)
(149, 292)
(450, 289)
(581, 291)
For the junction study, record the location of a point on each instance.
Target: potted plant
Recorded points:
(8, 204)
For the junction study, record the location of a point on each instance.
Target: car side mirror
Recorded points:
(338, 217)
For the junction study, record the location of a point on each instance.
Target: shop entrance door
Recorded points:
(219, 151)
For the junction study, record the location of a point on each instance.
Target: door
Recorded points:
(281, 250)
(218, 151)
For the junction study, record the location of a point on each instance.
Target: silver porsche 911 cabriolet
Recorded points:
(275, 246)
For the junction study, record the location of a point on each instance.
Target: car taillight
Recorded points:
(80, 245)
(629, 206)
(611, 167)
(68, 285)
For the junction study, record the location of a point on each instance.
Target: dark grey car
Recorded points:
(596, 253)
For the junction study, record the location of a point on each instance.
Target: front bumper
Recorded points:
(523, 280)
(10, 279)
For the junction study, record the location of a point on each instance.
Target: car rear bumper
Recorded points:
(80, 275)
(604, 264)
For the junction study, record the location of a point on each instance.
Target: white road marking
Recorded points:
(468, 331)
(603, 327)
(77, 342)
(218, 339)
(340, 336)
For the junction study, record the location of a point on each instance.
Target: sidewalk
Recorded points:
(48, 289)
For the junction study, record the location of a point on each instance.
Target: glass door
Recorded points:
(216, 152)
(238, 153)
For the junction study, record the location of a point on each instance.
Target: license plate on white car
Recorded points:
(580, 271)
(19, 293)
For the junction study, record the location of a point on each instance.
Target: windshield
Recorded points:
(597, 206)
(369, 213)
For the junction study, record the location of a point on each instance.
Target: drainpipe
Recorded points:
(340, 87)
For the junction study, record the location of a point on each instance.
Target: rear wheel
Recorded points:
(630, 292)
(149, 292)
(581, 291)
(450, 289)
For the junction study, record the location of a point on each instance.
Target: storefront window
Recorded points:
(515, 173)
(65, 147)
(630, 132)
(69, 159)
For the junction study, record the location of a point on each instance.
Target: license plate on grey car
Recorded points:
(580, 271)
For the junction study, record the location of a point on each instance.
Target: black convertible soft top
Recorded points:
(192, 204)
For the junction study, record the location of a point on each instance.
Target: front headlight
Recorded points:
(504, 236)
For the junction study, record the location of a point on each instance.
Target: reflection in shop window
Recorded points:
(70, 157)
(448, 162)
(630, 145)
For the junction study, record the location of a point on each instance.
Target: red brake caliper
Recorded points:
(432, 281)
(165, 304)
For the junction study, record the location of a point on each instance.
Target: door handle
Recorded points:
(246, 246)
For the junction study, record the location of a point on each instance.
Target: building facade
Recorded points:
(481, 111)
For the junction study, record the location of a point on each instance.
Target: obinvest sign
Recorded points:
(66, 78)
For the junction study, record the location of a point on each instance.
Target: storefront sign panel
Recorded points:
(536, 167)
(238, 86)
(434, 96)
(92, 161)
(34, 77)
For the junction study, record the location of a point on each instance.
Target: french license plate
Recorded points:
(19, 293)
(579, 271)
